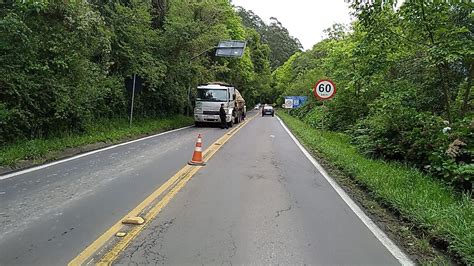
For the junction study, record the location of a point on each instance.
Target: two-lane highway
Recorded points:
(259, 200)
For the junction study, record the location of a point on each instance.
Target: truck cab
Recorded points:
(209, 98)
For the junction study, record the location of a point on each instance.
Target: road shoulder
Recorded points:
(401, 231)
(67, 154)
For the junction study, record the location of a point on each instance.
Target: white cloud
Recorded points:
(304, 19)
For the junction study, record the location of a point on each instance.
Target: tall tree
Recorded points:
(282, 44)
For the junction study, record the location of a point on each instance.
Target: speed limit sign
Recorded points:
(325, 89)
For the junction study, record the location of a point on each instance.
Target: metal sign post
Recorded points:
(322, 117)
(133, 99)
(133, 84)
(324, 90)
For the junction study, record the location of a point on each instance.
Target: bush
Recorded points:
(303, 110)
(315, 117)
(399, 132)
(453, 161)
(344, 111)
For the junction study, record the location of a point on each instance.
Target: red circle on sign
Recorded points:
(316, 87)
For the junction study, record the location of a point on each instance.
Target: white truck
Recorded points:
(209, 98)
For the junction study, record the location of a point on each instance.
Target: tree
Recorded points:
(282, 44)
(63, 64)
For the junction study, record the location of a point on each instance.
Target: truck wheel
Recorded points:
(273, 115)
(197, 124)
(231, 123)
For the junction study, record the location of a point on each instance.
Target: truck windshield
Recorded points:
(212, 95)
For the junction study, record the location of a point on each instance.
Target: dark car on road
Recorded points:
(268, 110)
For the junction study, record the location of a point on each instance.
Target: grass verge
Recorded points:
(108, 131)
(431, 206)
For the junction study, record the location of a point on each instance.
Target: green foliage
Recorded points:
(430, 205)
(402, 76)
(452, 156)
(54, 54)
(63, 64)
(282, 44)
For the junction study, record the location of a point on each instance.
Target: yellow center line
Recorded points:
(172, 185)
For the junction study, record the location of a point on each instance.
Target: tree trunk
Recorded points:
(356, 82)
(447, 101)
(467, 93)
(158, 11)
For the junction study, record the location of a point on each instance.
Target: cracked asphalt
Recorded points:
(259, 200)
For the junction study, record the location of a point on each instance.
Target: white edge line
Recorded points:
(35, 168)
(378, 233)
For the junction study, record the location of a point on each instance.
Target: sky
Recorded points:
(304, 19)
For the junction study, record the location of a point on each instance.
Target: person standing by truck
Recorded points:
(223, 116)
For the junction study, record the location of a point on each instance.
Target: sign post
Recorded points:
(322, 117)
(133, 98)
(133, 85)
(324, 90)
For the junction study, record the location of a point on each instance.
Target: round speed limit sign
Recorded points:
(325, 89)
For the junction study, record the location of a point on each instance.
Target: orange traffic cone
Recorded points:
(197, 155)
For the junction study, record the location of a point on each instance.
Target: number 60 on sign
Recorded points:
(325, 89)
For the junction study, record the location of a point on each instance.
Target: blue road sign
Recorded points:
(292, 102)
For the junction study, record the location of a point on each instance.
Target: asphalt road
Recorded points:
(258, 201)
(261, 201)
(50, 215)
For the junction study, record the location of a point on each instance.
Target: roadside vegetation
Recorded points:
(441, 213)
(402, 121)
(404, 85)
(107, 132)
(63, 66)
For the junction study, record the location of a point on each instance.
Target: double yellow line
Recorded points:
(147, 210)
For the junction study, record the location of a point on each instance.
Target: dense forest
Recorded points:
(63, 63)
(404, 80)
